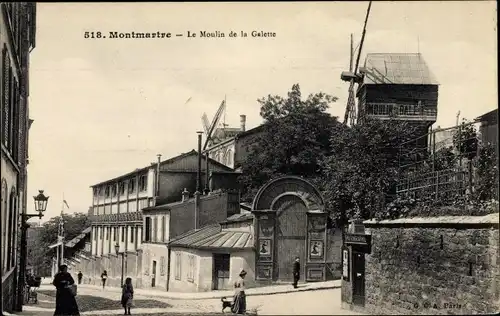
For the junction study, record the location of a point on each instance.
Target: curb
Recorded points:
(220, 295)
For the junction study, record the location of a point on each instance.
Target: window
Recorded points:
(6, 91)
(155, 229)
(162, 265)
(107, 232)
(113, 190)
(131, 185)
(121, 187)
(147, 229)
(143, 185)
(114, 233)
(190, 275)
(123, 234)
(101, 232)
(106, 192)
(132, 234)
(229, 157)
(163, 228)
(95, 192)
(178, 266)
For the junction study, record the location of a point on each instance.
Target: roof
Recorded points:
(492, 218)
(237, 136)
(239, 217)
(490, 117)
(170, 160)
(77, 239)
(212, 237)
(388, 68)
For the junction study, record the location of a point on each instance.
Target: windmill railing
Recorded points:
(400, 110)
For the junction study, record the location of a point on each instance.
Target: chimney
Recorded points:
(198, 178)
(243, 121)
(196, 208)
(157, 180)
(207, 175)
(185, 195)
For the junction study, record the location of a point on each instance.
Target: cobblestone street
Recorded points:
(98, 302)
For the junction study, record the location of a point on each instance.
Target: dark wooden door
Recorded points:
(290, 236)
(220, 279)
(153, 275)
(358, 278)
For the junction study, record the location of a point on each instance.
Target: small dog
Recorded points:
(225, 304)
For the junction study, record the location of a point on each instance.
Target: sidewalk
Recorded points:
(257, 291)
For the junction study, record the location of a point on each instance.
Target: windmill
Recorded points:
(353, 77)
(210, 129)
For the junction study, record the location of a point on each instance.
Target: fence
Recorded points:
(445, 164)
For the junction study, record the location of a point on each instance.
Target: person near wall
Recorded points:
(80, 276)
(65, 293)
(127, 296)
(104, 277)
(296, 272)
(239, 300)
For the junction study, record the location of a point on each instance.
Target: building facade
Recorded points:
(17, 39)
(212, 257)
(117, 206)
(169, 221)
(232, 147)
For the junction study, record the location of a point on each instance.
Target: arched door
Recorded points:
(291, 230)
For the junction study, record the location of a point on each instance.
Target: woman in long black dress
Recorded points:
(65, 300)
(239, 301)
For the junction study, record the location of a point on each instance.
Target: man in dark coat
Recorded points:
(296, 272)
(80, 276)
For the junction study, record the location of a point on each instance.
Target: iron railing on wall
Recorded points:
(446, 169)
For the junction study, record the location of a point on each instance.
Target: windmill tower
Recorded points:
(353, 77)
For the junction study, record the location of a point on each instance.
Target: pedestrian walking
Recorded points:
(80, 276)
(296, 272)
(104, 277)
(239, 300)
(127, 296)
(65, 293)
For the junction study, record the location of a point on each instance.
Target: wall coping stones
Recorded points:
(490, 220)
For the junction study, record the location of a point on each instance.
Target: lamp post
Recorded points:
(117, 250)
(40, 206)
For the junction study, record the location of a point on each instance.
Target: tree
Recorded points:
(294, 140)
(363, 167)
(41, 256)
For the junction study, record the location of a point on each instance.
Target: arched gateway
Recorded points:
(290, 222)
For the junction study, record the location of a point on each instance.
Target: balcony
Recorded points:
(409, 112)
(117, 218)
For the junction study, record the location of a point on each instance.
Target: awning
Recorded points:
(55, 245)
(77, 239)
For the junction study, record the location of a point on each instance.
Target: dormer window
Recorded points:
(113, 190)
(143, 185)
(106, 192)
(131, 185)
(121, 188)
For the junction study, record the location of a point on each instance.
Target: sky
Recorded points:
(104, 107)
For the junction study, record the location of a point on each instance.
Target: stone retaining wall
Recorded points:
(433, 266)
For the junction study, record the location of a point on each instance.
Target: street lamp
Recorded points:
(40, 206)
(117, 250)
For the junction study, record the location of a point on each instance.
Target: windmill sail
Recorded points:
(214, 124)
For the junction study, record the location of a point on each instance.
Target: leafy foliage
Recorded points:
(363, 167)
(294, 141)
(465, 140)
(40, 256)
(487, 174)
